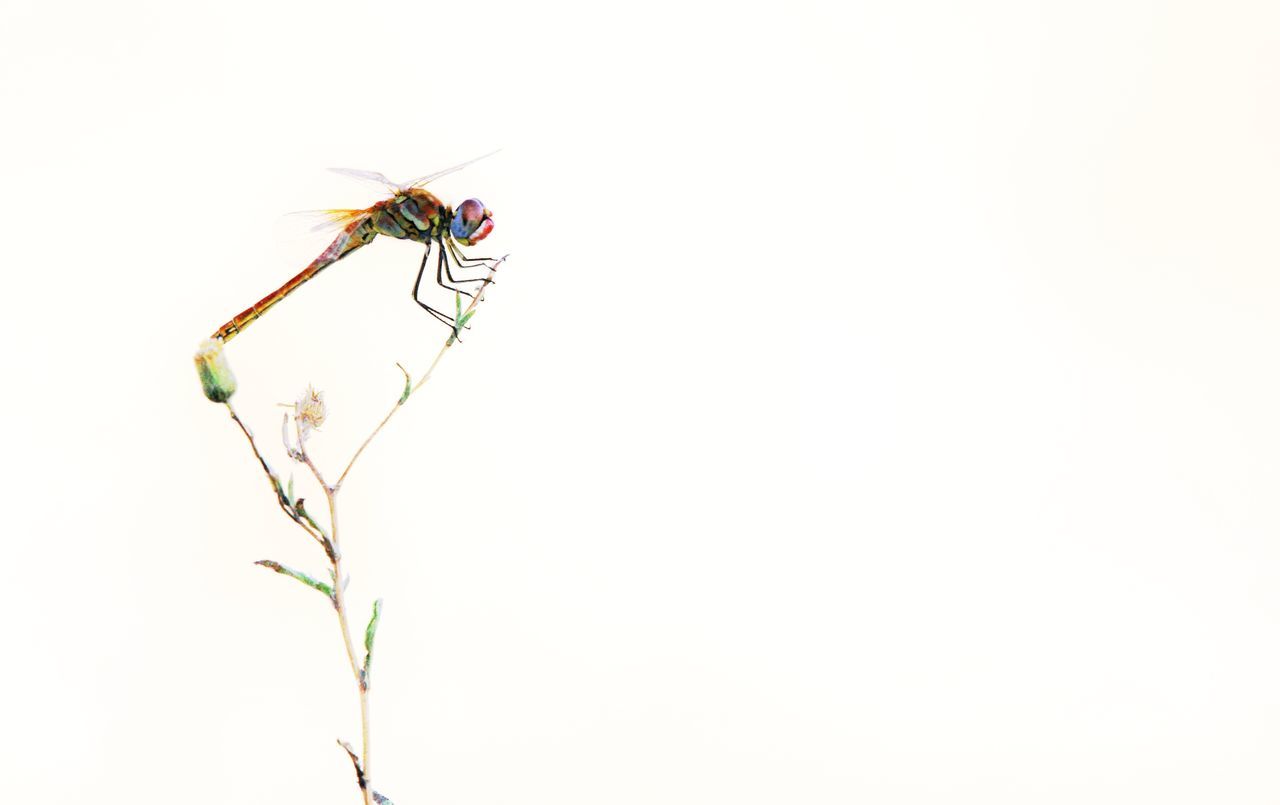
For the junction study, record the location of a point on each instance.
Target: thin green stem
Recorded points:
(425, 377)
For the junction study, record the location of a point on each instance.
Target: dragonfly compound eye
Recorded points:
(472, 223)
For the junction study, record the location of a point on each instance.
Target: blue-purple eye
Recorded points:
(471, 222)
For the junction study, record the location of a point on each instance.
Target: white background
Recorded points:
(880, 405)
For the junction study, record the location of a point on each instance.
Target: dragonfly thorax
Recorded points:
(413, 214)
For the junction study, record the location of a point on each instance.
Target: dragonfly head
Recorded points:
(472, 222)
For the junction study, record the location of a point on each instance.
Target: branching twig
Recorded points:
(292, 509)
(329, 540)
(425, 377)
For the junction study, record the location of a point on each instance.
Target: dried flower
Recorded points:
(215, 373)
(309, 412)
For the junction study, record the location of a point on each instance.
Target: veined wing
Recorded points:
(431, 177)
(369, 176)
(329, 220)
(394, 187)
(339, 219)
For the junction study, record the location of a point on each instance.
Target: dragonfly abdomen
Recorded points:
(350, 239)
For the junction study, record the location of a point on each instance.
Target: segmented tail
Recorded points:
(353, 236)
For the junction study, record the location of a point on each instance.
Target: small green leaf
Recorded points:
(277, 486)
(372, 628)
(462, 322)
(297, 574)
(290, 492)
(369, 632)
(408, 385)
(457, 300)
(300, 506)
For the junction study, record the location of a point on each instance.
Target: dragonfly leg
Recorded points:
(442, 268)
(449, 274)
(462, 258)
(475, 262)
(447, 320)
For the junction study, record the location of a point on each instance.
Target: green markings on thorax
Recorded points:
(416, 215)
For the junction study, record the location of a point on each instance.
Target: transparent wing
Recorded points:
(431, 177)
(367, 176)
(328, 220)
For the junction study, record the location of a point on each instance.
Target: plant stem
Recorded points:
(425, 377)
(331, 492)
(329, 541)
(339, 603)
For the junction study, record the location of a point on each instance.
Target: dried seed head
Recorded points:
(215, 373)
(309, 411)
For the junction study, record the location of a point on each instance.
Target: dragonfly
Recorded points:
(411, 213)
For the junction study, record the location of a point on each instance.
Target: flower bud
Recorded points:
(215, 373)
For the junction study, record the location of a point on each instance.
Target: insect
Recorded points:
(412, 213)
